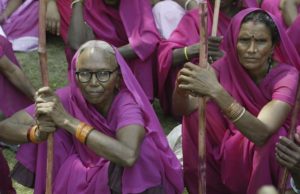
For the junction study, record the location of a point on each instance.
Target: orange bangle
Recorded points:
(82, 132)
(78, 129)
(31, 134)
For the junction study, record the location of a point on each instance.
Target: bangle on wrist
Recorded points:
(76, 1)
(186, 54)
(82, 132)
(31, 134)
(235, 111)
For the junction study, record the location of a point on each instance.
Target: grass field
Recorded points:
(57, 68)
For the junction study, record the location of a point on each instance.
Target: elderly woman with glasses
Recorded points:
(107, 138)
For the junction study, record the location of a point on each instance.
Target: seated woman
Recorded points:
(19, 21)
(251, 91)
(16, 92)
(108, 138)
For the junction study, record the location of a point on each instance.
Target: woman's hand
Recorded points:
(214, 51)
(198, 81)
(52, 18)
(48, 104)
(45, 127)
(288, 154)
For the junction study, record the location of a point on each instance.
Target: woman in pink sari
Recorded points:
(251, 92)
(16, 93)
(183, 46)
(126, 24)
(19, 22)
(108, 138)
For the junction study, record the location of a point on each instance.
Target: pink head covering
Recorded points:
(232, 71)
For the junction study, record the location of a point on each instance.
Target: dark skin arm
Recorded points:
(127, 52)
(14, 129)
(289, 10)
(16, 76)
(79, 30)
(52, 18)
(214, 52)
(11, 7)
(204, 83)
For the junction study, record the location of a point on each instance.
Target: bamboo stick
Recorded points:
(203, 54)
(215, 18)
(295, 114)
(44, 73)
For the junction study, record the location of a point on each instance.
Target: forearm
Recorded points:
(182, 55)
(249, 125)
(76, 35)
(183, 104)
(104, 145)
(14, 131)
(289, 11)
(127, 52)
(12, 6)
(18, 79)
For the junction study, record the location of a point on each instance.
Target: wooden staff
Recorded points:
(292, 131)
(44, 72)
(216, 18)
(203, 54)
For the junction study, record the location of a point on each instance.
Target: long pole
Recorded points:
(44, 73)
(294, 119)
(216, 18)
(202, 102)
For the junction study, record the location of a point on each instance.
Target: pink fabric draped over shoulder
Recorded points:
(132, 22)
(79, 170)
(11, 98)
(234, 164)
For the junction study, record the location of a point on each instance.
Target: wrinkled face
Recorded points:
(97, 64)
(254, 46)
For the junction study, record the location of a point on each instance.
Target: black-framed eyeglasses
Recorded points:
(102, 76)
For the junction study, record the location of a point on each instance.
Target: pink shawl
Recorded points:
(157, 164)
(234, 164)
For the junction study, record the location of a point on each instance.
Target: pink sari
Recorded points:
(131, 23)
(79, 170)
(234, 164)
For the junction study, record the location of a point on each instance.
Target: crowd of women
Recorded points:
(123, 54)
